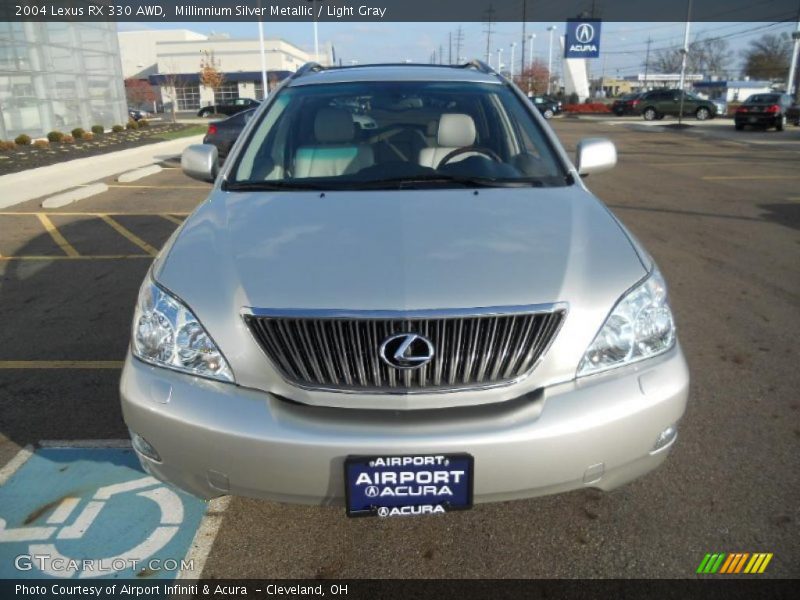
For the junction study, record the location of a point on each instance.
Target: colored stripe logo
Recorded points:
(734, 563)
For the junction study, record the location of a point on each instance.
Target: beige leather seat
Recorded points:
(336, 152)
(456, 130)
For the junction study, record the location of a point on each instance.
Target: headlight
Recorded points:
(166, 333)
(640, 326)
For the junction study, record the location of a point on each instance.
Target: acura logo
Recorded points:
(406, 351)
(584, 33)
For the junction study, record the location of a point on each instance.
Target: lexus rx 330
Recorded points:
(401, 297)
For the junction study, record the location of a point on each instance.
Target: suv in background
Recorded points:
(765, 110)
(657, 104)
(549, 107)
(234, 107)
(397, 322)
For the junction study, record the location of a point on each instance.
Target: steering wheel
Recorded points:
(489, 153)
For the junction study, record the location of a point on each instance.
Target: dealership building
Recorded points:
(59, 76)
(171, 61)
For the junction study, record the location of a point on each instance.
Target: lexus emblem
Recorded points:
(406, 351)
(584, 33)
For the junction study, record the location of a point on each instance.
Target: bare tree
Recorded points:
(211, 75)
(710, 56)
(172, 81)
(768, 57)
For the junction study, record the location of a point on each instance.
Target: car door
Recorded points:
(665, 103)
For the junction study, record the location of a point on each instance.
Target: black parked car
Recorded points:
(549, 107)
(234, 107)
(223, 134)
(765, 110)
(626, 104)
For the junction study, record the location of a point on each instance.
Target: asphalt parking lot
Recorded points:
(720, 212)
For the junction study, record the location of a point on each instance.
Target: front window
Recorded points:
(389, 135)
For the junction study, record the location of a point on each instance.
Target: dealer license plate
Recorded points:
(389, 486)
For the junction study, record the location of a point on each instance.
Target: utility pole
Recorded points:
(647, 62)
(511, 62)
(551, 29)
(441, 55)
(459, 42)
(531, 37)
(450, 47)
(791, 89)
(522, 48)
(684, 52)
(488, 24)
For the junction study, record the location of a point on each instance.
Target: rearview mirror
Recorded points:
(595, 155)
(200, 161)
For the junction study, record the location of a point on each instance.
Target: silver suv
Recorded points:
(401, 297)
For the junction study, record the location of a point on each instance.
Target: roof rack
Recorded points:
(309, 67)
(314, 67)
(479, 65)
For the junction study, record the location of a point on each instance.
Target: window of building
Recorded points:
(259, 89)
(188, 97)
(227, 93)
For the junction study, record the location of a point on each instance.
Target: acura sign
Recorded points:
(583, 39)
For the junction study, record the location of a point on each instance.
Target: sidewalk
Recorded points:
(43, 181)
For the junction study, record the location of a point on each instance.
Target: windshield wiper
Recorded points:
(465, 181)
(275, 185)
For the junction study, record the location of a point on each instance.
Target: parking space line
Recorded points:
(130, 235)
(59, 239)
(172, 219)
(81, 257)
(754, 177)
(60, 364)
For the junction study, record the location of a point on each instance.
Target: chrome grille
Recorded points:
(340, 351)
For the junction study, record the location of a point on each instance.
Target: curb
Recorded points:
(74, 195)
(44, 181)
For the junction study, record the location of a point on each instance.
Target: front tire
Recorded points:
(649, 114)
(702, 114)
(548, 114)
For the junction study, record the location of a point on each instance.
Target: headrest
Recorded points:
(456, 130)
(333, 126)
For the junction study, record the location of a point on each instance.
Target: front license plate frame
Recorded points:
(358, 505)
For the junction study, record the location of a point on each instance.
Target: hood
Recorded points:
(401, 250)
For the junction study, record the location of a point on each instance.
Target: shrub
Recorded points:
(77, 133)
(594, 107)
(143, 123)
(98, 129)
(22, 140)
(8, 145)
(87, 135)
(55, 136)
(117, 128)
(132, 125)
(68, 139)
(42, 144)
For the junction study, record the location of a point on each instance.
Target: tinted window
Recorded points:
(764, 98)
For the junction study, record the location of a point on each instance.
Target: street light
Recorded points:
(531, 37)
(551, 29)
(511, 70)
(500, 60)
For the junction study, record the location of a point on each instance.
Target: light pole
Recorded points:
(531, 37)
(790, 89)
(263, 56)
(684, 52)
(513, 47)
(551, 29)
(500, 60)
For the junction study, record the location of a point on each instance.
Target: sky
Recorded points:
(623, 45)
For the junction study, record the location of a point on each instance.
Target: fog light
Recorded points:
(665, 438)
(142, 446)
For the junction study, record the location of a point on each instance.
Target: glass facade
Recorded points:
(226, 93)
(59, 76)
(188, 97)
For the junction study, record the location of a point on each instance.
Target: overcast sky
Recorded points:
(622, 51)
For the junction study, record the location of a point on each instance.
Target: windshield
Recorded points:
(373, 135)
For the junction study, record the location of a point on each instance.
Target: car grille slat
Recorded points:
(343, 353)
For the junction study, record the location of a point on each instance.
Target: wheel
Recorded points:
(650, 114)
(548, 114)
(739, 126)
(781, 123)
(702, 113)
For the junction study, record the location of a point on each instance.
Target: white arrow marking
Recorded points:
(24, 534)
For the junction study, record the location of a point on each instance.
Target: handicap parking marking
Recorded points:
(86, 512)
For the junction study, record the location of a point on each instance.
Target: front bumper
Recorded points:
(216, 439)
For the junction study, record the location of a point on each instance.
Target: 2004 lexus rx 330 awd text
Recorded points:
(400, 297)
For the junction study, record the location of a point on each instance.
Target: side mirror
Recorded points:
(200, 161)
(595, 155)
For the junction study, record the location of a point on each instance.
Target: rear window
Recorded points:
(764, 98)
